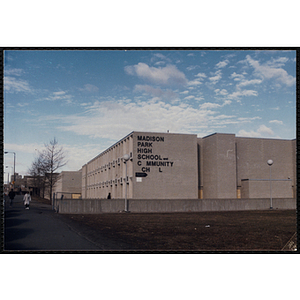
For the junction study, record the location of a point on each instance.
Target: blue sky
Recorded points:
(88, 100)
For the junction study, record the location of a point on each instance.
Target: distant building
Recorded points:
(182, 166)
(68, 185)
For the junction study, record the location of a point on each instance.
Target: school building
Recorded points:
(183, 166)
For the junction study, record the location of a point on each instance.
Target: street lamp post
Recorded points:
(270, 163)
(14, 167)
(126, 157)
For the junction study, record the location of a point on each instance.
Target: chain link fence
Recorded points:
(61, 196)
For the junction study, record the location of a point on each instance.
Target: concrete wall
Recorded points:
(279, 189)
(219, 166)
(89, 206)
(69, 182)
(170, 163)
(96, 206)
(225, 162)
(252, 157)
(200, 168)
(84, 181)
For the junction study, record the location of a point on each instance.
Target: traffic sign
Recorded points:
(140, 174)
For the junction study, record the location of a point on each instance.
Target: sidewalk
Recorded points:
(40, 229)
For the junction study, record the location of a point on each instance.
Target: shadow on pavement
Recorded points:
(11, 234)
(14, 222)
(12, 214)
(18, 246)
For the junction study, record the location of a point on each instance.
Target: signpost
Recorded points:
(140, 174)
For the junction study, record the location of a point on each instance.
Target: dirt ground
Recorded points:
(269, 230)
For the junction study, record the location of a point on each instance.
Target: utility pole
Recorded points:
(270, 163)
(126, 157)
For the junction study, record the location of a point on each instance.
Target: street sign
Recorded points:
(140, 174)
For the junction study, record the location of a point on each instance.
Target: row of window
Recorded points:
(109, 165)
(112, 182)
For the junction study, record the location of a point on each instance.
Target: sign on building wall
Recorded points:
(148, 158)
(163, 164)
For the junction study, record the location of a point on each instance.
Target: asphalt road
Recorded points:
(41, 229)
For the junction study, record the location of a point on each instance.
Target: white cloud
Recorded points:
(222, 92)
(79, 155)
(262, 131)
(194, 82)
(156, 92)
(216, 78)
(114, 119)
(269, 71)
(162, 76)
(76, 156)
(198, 80)
(12, 85)
(189, 97)
(13, 72)
(249, 119)
(27, 148)
(56, 96)
(249, 82)
(201, 75)
(159, 55)
(190, 68)
(160, 63)
(236, 95)
(237, 77)
(89, 88)
(222, 64)
(162, 59)
(276, 122)
(23, 104)
(209, 105)
(85, 103)
(244, 133)
(226, 102)
(277, 62)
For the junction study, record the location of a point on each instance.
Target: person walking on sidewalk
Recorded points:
(27, 199)
(11, 196)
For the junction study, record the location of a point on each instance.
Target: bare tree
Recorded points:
(48, 162)
(53, 158)
(38, 177)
